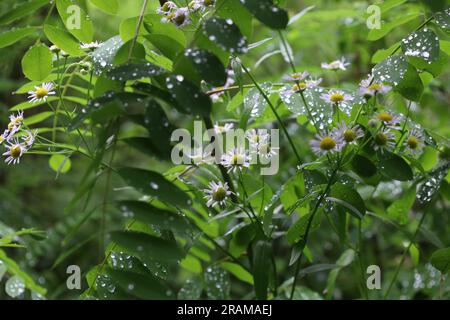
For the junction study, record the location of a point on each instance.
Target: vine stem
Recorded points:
(138, 26)
(273, 110)
(405, 252)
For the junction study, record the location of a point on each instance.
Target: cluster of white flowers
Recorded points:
(16, 140)
(180, 16)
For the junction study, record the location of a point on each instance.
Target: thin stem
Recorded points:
(404, 125)
(136, 32)
(361, 257)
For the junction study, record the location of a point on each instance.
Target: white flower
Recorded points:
(341, 64)
(266, 151)
(302, 86)
(199, 156)
(348, 135)
(236, 159)
(415, 142)
(390, 119)
(29, 138)
(180, 17)
(297, 76)
(336, 97)
(4, 136)
(167, 8)
(384, 140)
(218, 129)
(15, 151)
(368, 87)
(256, 137)
(91, 46)
(323, 144)
(217, 193)
(15, 122)
(195, 5)
(41, 93)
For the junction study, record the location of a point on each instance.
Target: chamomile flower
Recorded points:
(167, 8)
(41, 93)
(302, 86)
(91, 46)
(323, 144)
(414, 143)
(15, 152)
(336, 97)
(180, 17)
(265, 150)
(217, 193)
(236, 159)
(388, 118)
(4, 136)
(368, 87)
(384, 140)
(15, 122)
(195, 5)
(348, 134)
(256, 137)
(199, 156)
(297, 76)
(341, 64)
(29, 138)
(218, 129)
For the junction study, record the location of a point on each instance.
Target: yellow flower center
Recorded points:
(41, 92)
(237, 159)
(381, 139)
(179, 19)
(375, 87)
(327, 143)
(219, 194)
(16, 151)
(299, 87)
(166, 7)
(384, 116)
(337, 97)
(349, 135)
(256, 138)
(413, 142)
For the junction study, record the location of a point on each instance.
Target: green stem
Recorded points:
(136, 32)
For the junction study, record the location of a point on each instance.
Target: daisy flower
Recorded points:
(369, 88)
(341, 64)
(266, 151)
(256, 137)
(15, 122)
(198, 156)
(41, 93)
(323, 144)
(390, 119)
(415, 142)
(348, 135)
(336, 97)
(217, 193)
(384, 140)
(167, 7)
(91, 46)
(195, 5)
(297, 76)
(15, 151)
(236, 159)
(4, 136)
(29, 138)
(180, 17)
(218, 129)
(302, 86)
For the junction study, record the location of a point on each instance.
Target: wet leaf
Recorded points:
(225, 34)
(268, 13)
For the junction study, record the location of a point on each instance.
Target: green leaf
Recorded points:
(442, 19)
(146, 146)
(392, 70)
(22, 10)
(261, 268)
(432, 183)
(75, 20)
(139, 285)
(399, 209)
(304, 293)
(422, 44)
(128, 27)
(363, 166)
(238, 271)
(266, 12)
(37, 62)
(440, 259)
(160, 218)
(348, 198)
(383, 54)
(63, 40)
(415, 254)
(225, 34)
(145, 246)
(254, 101)
(154, 184)
(137, 54)
(217, 283)
(241, 240)
(233, 9)
(375, 34)
(411, 86)
(158, 126)
(191, 290)
(133, 71)
(394, 167)
(199, 64)
(59, 163)
(297, 231)
(109, 6)
(14, 35)
(188, 95)
(344, 260)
